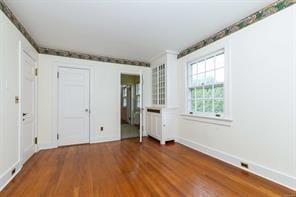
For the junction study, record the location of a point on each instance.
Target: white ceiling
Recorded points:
(131, 29)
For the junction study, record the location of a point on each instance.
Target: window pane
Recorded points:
(219, 106)
(220, 75)
(194, 69)
(219, 91)
(210, 63)
(208, 92)
(208, 105)
(201, 67)
(199, 105)
(209, 77)
(200, 79)
(220, 61)
(124, 102)
(194, 80)
(199, 93)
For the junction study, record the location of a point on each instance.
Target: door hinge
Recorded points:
(36, 140)
(16, 99)
(58, 136)
(58, 74)
(36, 72)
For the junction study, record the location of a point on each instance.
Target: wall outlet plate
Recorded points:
(244, 165)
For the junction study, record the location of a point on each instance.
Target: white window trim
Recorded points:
(226, 118)
(208, 119)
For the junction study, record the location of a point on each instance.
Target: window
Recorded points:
(154, 86)
(124, 96)
(206, 85)
(159, 85)
(138, 95)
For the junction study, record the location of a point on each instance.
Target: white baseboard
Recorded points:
(104, 139)
(45, 146)
(7, 176)
(270, 174)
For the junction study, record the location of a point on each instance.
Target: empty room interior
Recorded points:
(147, 98)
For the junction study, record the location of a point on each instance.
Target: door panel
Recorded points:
(28, 107)
(73, 106)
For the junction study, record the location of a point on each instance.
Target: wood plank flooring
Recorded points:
(126, 168)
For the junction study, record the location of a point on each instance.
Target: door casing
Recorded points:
(55, 98)
(140, 74)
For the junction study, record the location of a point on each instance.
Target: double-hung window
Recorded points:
(206, 85)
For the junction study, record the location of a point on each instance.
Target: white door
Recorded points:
(141, 108)
(27, 106)
(73, 106)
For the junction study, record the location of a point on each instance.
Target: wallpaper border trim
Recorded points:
(84, 56)
(251, 19)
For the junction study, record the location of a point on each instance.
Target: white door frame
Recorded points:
(23, 49)
(136, 73)
(55, 104)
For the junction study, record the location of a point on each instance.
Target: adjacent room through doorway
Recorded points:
(130, 106)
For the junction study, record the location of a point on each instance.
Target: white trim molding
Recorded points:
(56, 66)
(104, 139)
(7, 176)
(223, 121)
(267, 173)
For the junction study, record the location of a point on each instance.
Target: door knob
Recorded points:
(86, 110)
(24, 114)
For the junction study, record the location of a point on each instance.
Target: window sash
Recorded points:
(201, 77)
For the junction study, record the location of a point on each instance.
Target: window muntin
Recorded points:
(206, 85)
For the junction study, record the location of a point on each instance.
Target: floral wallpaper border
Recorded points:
(253, 18)
(56, 52)
(91, 57)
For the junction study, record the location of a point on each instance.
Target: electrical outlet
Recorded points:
(13, 171)
(101, 128)
(244, 165)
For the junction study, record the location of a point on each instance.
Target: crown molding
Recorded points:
(251, 19)
(163, 53)
(84, 56)
(5, 9)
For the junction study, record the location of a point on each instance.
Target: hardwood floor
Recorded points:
(125, 168)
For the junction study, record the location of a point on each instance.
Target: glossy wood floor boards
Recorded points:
(126, 168)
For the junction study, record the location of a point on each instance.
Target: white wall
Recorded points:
(106, 97)
(263, 85)
(10, 40)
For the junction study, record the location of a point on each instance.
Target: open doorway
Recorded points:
(130, 106)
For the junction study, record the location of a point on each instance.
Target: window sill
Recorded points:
(208, 119)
